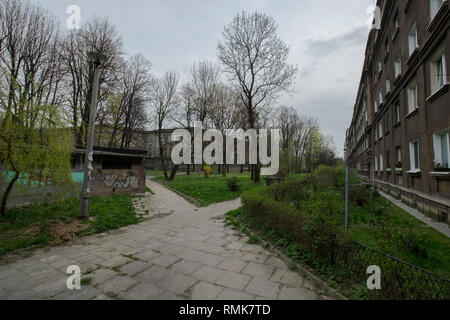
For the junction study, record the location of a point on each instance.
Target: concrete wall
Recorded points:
(433, 208)
(106, 182)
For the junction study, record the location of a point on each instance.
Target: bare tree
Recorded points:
(204, 82)
(304, 139)
(184, 115)
(256, 60)
(288, 121)
(125, 112)
(96, 35)
(163, 101)
(225, 114)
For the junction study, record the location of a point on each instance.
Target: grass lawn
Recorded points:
(399, 234)
(204, 192)
(155, 173)
(55, 223)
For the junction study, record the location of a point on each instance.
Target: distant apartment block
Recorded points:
(399, 134)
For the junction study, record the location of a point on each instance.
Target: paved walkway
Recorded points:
(181, 253)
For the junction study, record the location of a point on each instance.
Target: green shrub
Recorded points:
(333, 177)
(208, 171)
(310, 221)
(233, 184)
(363, 195)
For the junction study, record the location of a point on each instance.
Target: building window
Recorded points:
(380, 96)
(380, 68)
(412, 97)
(397, 113)
(388, 86)
(380, 130)
(398, 67)
(399, 157)
(441, 149)
(376, 164)
(413, 42)
(414, 155)
(375, 104)
(381, 163)
(435, 6)
(438, 71)
(397, 22)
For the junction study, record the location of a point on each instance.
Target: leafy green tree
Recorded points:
(34, 146)
(36, 153)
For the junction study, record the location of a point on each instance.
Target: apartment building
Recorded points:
(399, 134)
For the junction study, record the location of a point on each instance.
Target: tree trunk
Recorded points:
(161, 155)
(6, 194)
(258, 173)
(173, 173)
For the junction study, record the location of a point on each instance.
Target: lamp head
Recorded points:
(97, 58)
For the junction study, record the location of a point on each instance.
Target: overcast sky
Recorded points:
(327, 40)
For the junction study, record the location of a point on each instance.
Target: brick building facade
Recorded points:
(399, 134)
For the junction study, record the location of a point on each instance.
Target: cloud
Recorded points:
(321, 47)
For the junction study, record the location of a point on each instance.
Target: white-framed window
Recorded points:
(381, 162)
(414, 155)
(397, 22)
(380, 97)
(388, 86)
(398, 67)
(380, 130)
(399, 154)
(413, 101)
(380, 67)
(438, 71)
(441, 149)
(435, 5)
(376, 164)
(413, 42)
(375, 105)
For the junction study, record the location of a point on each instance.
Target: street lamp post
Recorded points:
(97, 60)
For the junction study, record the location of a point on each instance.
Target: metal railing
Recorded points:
(399, 280)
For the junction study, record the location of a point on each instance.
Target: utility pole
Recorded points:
(97, 60)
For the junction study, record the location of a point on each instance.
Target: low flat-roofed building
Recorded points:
(115, 171)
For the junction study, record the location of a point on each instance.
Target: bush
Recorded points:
(233, 184)
(363, 195)
(208, 171)
(333, 177)
(311, 221)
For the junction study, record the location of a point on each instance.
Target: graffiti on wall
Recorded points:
(130, 181)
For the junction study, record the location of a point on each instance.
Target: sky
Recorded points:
(327, 40)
